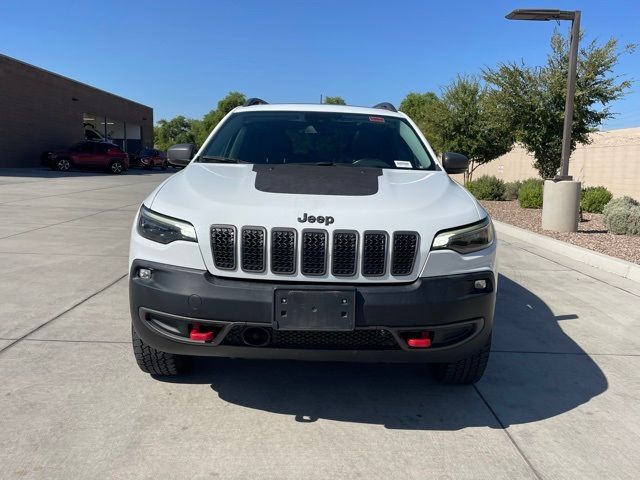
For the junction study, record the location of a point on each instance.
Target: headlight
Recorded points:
(162, 229)
(466, 239)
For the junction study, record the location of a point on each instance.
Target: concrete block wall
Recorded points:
(612, 159)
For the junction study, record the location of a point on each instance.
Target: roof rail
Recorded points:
(250, 102)
(386, 106)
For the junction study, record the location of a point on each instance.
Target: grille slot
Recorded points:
(403, 255)
(283, 251)
(374, 254)
(223, 246)
(314, 252)
(253, 249)
(344, 253)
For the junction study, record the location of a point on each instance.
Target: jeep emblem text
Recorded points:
(319, 219)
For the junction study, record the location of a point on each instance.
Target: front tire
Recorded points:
(164, 165)
(62, 165)
(116, 167)
(465, 371)
(154, 361)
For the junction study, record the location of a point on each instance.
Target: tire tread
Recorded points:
(466, 370)
(153, 361)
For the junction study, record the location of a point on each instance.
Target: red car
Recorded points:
(149, 158)
(94, 155)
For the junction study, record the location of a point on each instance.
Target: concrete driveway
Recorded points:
(561, 397)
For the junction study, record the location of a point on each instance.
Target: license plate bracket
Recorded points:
(332, 310)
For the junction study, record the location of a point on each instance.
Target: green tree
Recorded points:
(532, 99)
(211, 119)
(471, 123)
(335, 100)
(425, 109)
(169, 132)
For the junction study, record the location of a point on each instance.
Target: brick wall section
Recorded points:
(38, 113)
(612, 159)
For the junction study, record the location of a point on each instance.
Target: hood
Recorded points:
(413, 200)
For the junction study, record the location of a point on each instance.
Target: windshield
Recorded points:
(324, 138)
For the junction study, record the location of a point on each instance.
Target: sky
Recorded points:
(181, 57)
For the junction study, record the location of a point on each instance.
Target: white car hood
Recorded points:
(414, 200)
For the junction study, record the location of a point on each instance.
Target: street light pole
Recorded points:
(571, 92)
(561, 199)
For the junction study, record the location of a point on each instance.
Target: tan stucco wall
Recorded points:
(612, 160)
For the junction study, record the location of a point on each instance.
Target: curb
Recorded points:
(606, 263)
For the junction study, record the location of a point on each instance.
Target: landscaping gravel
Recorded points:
(591, 233)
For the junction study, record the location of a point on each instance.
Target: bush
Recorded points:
(486, 188)
(530, 193)
(633, 221)
(594, 199)
(622, 216)
(511, 190)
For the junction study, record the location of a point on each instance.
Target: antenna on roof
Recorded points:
(254, 101)
(386, 106)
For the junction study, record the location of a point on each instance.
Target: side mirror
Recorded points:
(454, 162)
(181, 154)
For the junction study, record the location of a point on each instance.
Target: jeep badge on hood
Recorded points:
(319, 219)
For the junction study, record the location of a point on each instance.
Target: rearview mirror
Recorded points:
(454, 162)
(181, 154)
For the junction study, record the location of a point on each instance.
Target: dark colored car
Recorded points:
(90, 155)
(149, 158)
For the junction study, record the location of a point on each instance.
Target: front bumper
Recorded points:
(164, 307)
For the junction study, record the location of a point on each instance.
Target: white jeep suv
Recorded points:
(314, 232)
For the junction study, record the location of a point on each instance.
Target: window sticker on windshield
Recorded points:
(376, 119)
(403, 164)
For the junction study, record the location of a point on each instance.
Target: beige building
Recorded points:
(612, 160)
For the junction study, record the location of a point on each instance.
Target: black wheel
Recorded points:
(164, 165)
(154, 361)
(116, 167)
(62, 164)
(465, 371)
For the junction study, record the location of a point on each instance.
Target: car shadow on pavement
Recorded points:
(527, 383)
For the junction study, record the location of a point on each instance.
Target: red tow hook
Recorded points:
(201, 336)
(423, 341)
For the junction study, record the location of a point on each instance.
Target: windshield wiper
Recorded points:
(216, 159)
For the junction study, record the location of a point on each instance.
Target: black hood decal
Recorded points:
(317, 179)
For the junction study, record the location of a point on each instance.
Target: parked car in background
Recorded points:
(90, 155)
(149, 158)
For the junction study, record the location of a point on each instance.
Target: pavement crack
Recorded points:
(58, 340)
(506, 431)
(521, 247)
(582, 354)
(77, 304)
(71, 220)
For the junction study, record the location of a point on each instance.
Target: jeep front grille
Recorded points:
(344, 254)
(314, 252)
(374, 254)
(223, 246)
(281, 251)
(252, 249)
(403, 253)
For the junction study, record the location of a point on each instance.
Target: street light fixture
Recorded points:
(565, 198)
